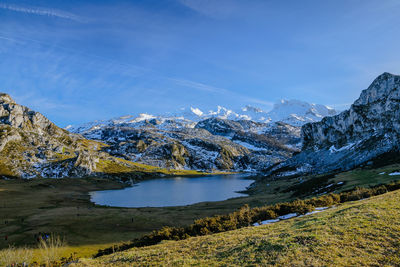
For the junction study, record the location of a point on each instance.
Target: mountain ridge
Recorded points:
(207, 142)
(32, 146)
(359, 136)
(294, 112)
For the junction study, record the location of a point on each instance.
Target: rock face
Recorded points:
(362, 135)
(32, 146)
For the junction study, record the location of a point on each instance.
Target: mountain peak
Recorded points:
(6, 99)
(297, 112)
(385, 85)
(197, 111)
(366, 133)
(252, 109)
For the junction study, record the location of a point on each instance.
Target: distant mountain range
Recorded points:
(294, 138)
(293, 112)
(221, 139)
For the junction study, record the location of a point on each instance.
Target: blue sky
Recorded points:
(77, 61)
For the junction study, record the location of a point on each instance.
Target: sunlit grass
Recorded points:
(362, 233)
(13, 256)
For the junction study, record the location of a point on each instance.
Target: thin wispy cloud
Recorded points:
(199, 86)
(42, 12)
(7, 39)
(258, 101)
(213, 89)
(210, 8)
(10, 40)
(135, 56)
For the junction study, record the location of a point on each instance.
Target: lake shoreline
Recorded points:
(62, 206)
(175, 191)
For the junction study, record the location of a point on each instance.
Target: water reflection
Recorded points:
(178, 191)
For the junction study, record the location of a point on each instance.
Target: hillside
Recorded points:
(357, 233)
(33, 146)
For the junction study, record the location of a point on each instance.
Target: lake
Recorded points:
(176, 191)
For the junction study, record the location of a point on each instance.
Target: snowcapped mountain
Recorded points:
(367, 134)
(293, 112)
(192, 138)
(32, 146)
(298, 113)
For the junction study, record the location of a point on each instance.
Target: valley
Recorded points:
(50, 174)
(199, 133)
(63, 207)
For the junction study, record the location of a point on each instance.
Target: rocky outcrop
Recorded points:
(361, 135)
(213, 144)
(32, 146)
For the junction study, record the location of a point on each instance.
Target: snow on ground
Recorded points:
(287, 216)
(266, 222)
(290, 215)
(333, 149)
(382, 173)
(249, 146)
(302, 169)
(394, 173)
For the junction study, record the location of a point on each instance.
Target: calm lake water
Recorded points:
(177, 191)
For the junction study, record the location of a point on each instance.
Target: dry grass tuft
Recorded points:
(13, 256)
(51, 250)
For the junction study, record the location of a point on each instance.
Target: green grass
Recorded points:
(121, 166)
(283, 189)
(53, 205)
(63, 207)
(359, 233)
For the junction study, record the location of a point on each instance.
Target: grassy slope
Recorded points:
(62, 206)
(53, 205)
(366, 232)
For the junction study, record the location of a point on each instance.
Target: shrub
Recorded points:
(264, 213)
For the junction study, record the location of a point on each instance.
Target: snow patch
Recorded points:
(197, 111)
(290, 215)
(287, 216)
(333, 149)
(249, 146)
(266, 222)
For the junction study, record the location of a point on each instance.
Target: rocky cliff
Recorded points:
(363, 135)
(32, 146)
